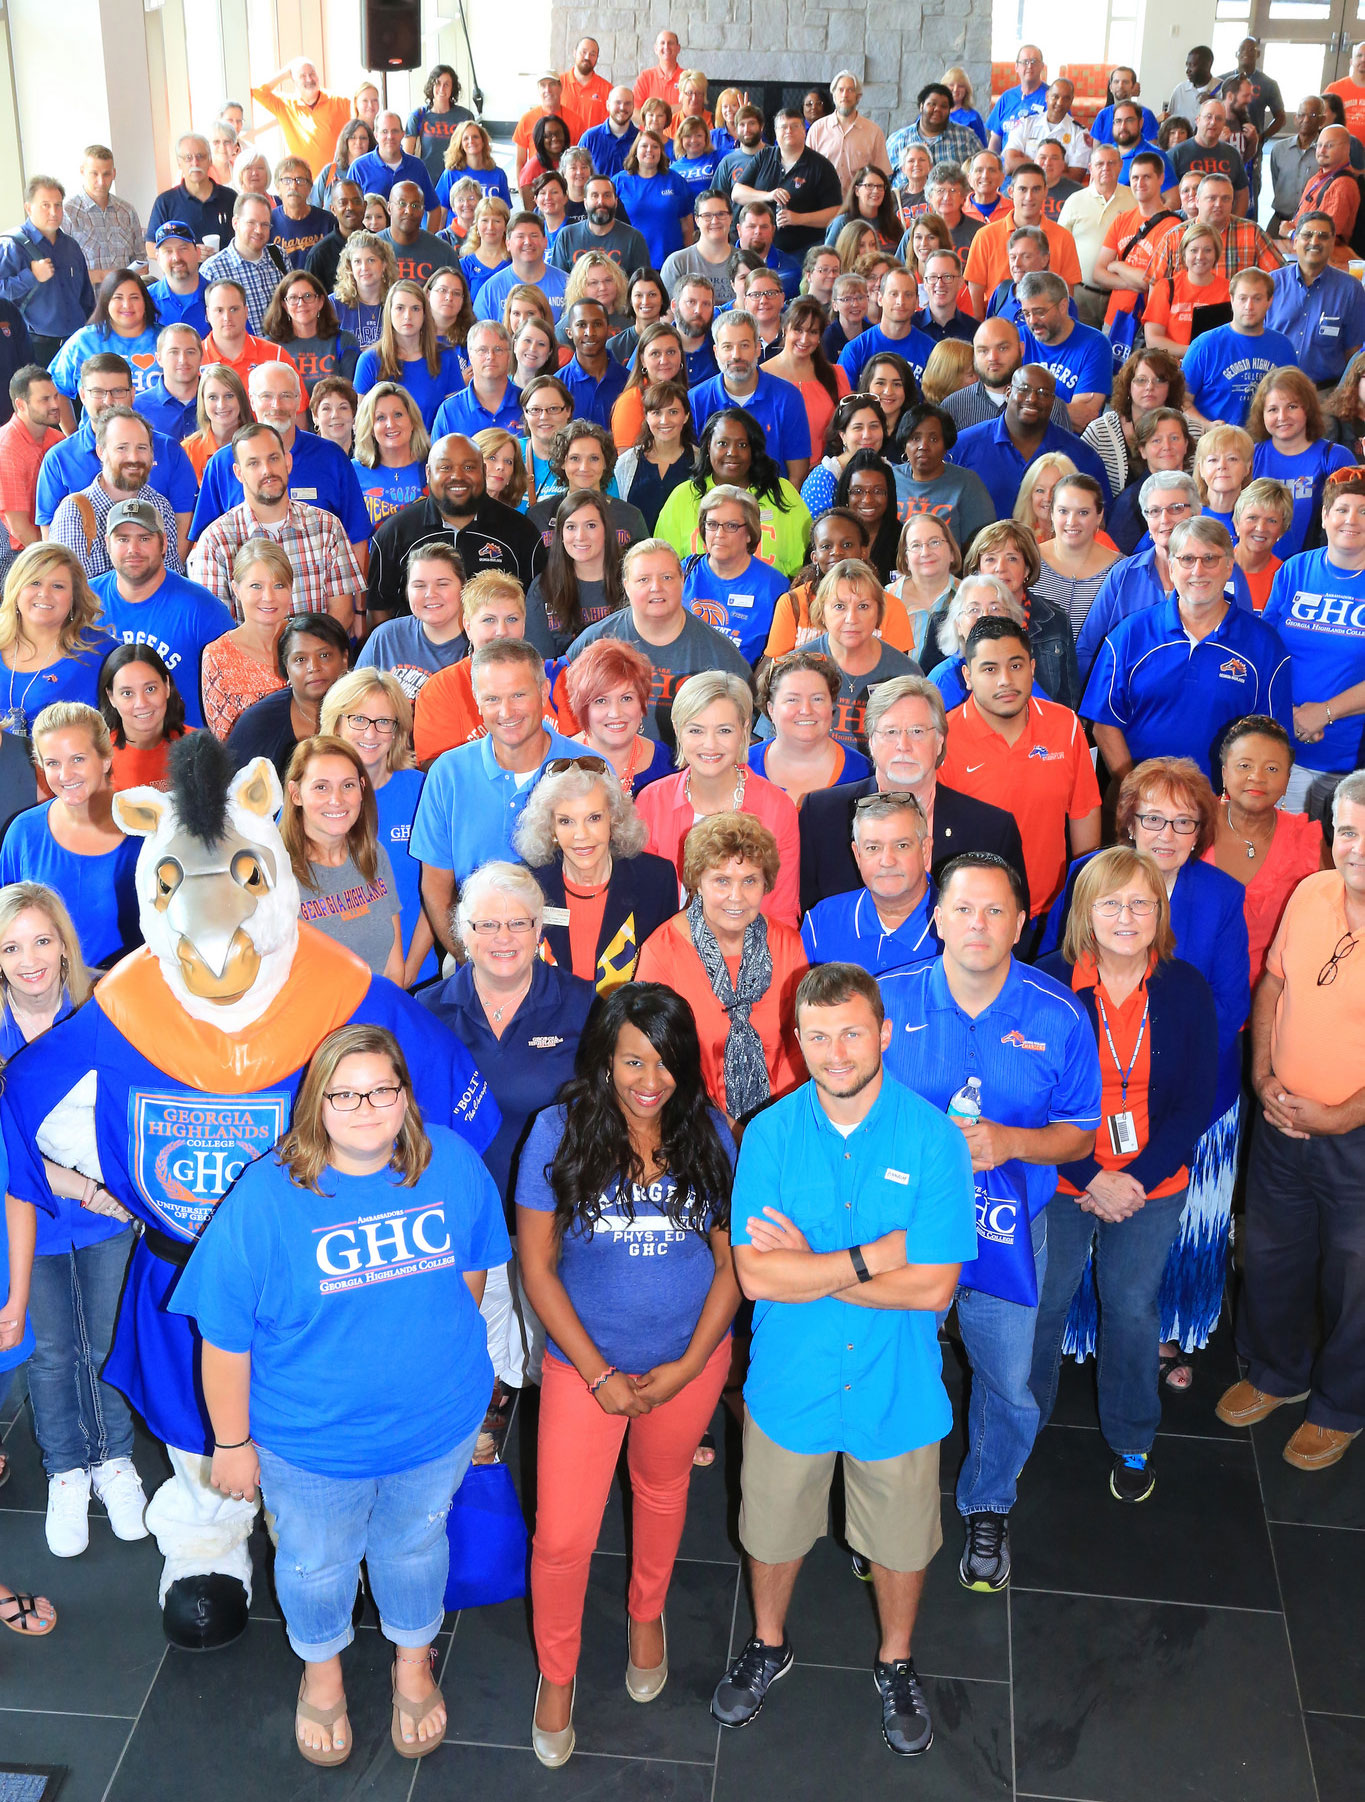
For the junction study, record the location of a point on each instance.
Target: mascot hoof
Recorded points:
(202, 1614)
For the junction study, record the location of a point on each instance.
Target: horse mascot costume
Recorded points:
(178, 1072)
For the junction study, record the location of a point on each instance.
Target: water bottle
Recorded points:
(965, 1106)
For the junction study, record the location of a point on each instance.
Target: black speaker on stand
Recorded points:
(390, 35)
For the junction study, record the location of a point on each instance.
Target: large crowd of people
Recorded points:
(834, 665)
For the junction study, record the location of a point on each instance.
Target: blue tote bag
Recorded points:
(1004, 1264)
(488, 1543)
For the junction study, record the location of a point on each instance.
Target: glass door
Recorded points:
(1304, 43)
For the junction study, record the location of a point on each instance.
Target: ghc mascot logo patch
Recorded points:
(189, 1149)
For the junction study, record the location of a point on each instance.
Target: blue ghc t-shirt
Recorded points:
(1223, 369)
(741, 606)
(336, 1294)
(637, 1282)
(1304, 475)
(1318, 610)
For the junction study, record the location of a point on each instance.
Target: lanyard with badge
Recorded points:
(1123, 1139)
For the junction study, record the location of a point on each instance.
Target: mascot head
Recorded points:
(218, 902)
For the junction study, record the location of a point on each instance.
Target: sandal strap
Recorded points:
(320, 1717)
(416, 1712)
(25, 1607)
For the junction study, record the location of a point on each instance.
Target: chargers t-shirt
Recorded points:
(637, 1282)
(1223, 369)
(1083, 365)
(1304, 476)
(336, 1295)
(387, 491)
(1318, 609)
(741, 606)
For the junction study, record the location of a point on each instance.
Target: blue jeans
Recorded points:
(326, 1525)
(1130, 1256)
(73, 1304)
(1002, 1416)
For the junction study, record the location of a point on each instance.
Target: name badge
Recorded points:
(741, 600)
(898, 1176)
(1329, 328)
(303, 494)
(1123, 1138)
(556, 916)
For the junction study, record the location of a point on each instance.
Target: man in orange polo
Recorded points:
(583, 88)
(311, 118)
(1304, 1243)
(660, 82)
(555, 103)
(1029, 756)
(229, 341)
(988, 258)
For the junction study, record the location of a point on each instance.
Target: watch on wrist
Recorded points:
(860, 1269)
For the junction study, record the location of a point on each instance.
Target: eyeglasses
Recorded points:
(1189, 563)
(487, 928)
(914, 735)
(891, 797)
(1175, 509)
(560, 766)
(712, 524)
(1112, 909)
(1183, 825)
(346, 1101)
(361, 722)
(1328, 973)
(545, 412)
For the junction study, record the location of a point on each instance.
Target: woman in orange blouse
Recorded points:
(659, 357)
(221, 408)
(737, 971)
(1169, 314)
(241, 667)
(145, 715)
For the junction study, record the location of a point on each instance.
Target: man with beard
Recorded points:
(693, 313)
(749, 135)
(1001, 450)
(179, 295)
(123, 439)
(327, 578)
(601, 230)
(775, 404)
(487, 534)
(997, 351)
(1129, 142)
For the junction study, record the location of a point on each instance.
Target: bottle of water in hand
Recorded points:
(965, 1106)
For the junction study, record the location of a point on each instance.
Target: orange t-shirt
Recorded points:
(1171, 304)
(446, 713)
(1120, 240)
(653, 84)
(1259, 584)
(521, 137)
(627, 417)
(1353, 101)
(988, 261)
(586, 908)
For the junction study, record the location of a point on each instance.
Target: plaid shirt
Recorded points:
(111, 236)
(954, 144)
(1245, 246)
(260, 279)
(314, 542)
(68, 528)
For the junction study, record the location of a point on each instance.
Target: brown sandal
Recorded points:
(416, 1712)
(19, 1609)
(320, 1717)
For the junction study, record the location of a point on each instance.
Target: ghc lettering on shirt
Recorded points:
(383, 1248)
(1332, 612)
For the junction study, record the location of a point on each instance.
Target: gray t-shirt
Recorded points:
(622, 244)
(356, 913)
(682, 263)
(697, 647)
(958, 497)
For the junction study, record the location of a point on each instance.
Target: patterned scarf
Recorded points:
(746, 1068)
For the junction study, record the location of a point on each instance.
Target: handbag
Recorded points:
(1004, 1264)
(489, 1548)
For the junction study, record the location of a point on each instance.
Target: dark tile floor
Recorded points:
(1206, 1645)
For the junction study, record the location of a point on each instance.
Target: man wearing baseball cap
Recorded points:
(179, 295)
(143, 602)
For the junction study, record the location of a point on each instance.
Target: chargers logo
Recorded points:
(1234, 669)
(188, 1149)
(1017, 1039)
(1043, 755)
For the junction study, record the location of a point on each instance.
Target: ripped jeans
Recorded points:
(326, 1525)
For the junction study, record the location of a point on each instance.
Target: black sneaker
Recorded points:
(741, 1692)
(906, 1726)
(862, 1568)
(1132, 1479)
(985, 1563)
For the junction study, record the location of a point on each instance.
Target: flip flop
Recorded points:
(416, 1712)
(18, 1609)
(320, 1717)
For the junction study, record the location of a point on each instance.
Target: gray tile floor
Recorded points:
(1205, 1645)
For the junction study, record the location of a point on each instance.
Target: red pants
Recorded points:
(578, 1448)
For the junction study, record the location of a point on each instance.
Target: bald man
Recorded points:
(1334, 190)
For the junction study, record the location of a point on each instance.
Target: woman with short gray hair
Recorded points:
(977, 597)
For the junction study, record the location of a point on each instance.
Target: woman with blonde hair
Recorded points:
(596, 277)
(409, 353)
(504, 473)
(251, 174)
(949, 368)
(391, 446)
(1263, 513)
(316, 1416)
(470, 153)
(959, 85)
(1222, 469)
(713, 715)
(1033, 503)
(855, 241)
(241, 667)
(330, 827)
(366, 270)
(221, 407)
(369, 710)
(51, 642)
(485, 245)
(43, 975)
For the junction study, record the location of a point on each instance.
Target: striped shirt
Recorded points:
(313, 540)
(1245, 246)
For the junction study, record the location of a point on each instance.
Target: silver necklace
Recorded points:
(1253, 849)
(513, 1001)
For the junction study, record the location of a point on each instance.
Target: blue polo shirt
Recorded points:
(1128, 587)
(374, 176)
(846, 929)
(1032, 1049)
(1318, 610)
(594, 399)
(1102, 131)
(488, 301)
(775, 404)
(59, 306)
(1084, 364)
(741, 606)
(465, 412)
(211, 215)
(1170, 178)
(426, 389)
(320, 475)
(1171, 698)
(608, 152)
(470, 806)
(826, 1376)
(1305, 476)
(174, 419)
(989, 450)
(702, 365)
(177, 621)
(74, 463)
(1325, 322)
(1223, 368)
(181, 309)
(1014, 104)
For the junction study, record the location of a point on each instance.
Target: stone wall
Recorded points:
(894, 48)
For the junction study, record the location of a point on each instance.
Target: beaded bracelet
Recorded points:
(610, 1371)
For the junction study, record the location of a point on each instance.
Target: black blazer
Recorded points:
(642, 893)
(961, 823)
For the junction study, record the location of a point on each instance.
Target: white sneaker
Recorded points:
(68, 1504)
(119, 1487)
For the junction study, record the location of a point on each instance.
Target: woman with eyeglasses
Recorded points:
(546, 405)
(1119, 1210)
(868, 201)
(1167, 810)
(731, 588)
(304, 1371)
(302, 318)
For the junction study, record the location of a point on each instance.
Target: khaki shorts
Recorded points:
(891, 1504)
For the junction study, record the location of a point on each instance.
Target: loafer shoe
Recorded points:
(1244, 1404)
(643, 1683)
(1315, 1448)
